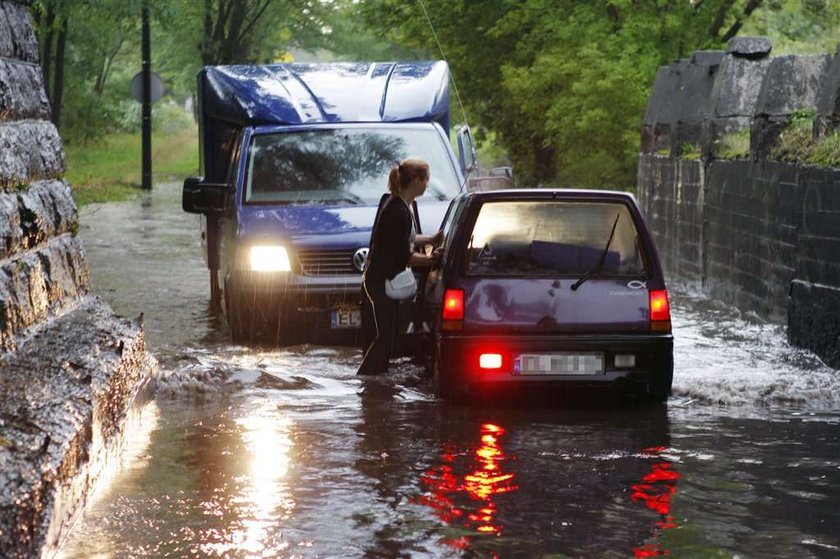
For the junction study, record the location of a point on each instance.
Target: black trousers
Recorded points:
(385, 314)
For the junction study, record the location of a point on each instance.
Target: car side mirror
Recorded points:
(498, 179)
(201, 197)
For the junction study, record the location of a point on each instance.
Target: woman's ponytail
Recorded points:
(401, 175)
(394, 180)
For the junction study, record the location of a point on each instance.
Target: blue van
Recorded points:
(294, 159)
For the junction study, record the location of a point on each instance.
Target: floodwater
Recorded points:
(287, 453)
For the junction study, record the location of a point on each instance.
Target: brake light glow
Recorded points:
(453, 304)
(490, 361)
(660, 311)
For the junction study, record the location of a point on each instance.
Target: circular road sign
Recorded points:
(137, 87)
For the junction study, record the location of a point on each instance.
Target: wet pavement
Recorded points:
(286, 453)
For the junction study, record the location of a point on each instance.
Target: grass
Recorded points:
(734, 145)
(797, 143)
(110, 170)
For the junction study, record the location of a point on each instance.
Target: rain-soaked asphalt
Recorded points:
(286, 453)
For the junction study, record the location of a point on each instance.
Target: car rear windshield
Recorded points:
(550, 238)
(341, 166)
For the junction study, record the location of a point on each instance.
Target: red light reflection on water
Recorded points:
(482, 484)
(655, 492)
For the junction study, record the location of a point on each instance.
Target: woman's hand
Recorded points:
(436, 257)
(425, 261)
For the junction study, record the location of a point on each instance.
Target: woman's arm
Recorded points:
(420, 260)
(433, 240)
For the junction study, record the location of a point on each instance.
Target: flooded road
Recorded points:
(248, 453)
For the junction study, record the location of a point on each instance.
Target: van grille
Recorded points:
(326, 262)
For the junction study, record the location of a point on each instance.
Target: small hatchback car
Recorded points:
(548, 287)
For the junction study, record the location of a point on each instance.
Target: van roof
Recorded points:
(299, 93)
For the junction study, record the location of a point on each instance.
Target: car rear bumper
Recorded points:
(458, 359)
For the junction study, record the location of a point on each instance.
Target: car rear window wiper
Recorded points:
(597, 270)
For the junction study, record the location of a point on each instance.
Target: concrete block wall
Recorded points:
(791, 83)
(70, 370)
(761, 235)
(828, 102)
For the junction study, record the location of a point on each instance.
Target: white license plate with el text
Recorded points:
(562, 363)
(345, 318)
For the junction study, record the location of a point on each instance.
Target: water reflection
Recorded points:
(482, 485)
(655, 492)
(264, 499)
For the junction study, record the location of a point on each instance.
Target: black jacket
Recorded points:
(390, 247)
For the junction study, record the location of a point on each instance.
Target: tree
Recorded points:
(90, 50)
(79, 43)
(564, 83)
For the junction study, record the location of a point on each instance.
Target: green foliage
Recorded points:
(560, 85)
(798, 145)
(734, 145)
(564, 84)
(826, 152)
(797, 26)
(103, 50)
(690, 151)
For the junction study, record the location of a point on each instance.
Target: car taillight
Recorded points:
(490, 361)
(660, 311)
(453, 309)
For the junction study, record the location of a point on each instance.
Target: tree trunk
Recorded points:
(46, 60)
(230, 47)
(58, 82)
(105, 69)
(227, 27)
(206, 41)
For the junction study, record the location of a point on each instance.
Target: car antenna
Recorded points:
(443, 55)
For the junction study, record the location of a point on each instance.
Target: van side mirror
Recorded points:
(201, 197)
(498, 179)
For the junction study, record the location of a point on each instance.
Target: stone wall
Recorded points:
(70, 370)
(761, 235)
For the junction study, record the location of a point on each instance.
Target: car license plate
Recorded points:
(562, 363)
(345, 318)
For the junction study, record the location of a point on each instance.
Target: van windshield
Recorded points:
(551, 237)
(341, 166)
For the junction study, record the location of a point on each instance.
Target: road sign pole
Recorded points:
(147, 99)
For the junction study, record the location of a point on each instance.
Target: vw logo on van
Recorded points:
(360, 259)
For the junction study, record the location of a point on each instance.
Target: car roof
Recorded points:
(553, 193)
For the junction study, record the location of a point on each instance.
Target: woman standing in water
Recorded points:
(392, 249)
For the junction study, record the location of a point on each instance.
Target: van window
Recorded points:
(340, 166)
(550, 237)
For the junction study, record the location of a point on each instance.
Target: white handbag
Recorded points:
(403, 286)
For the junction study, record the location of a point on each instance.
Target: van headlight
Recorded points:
(269, 258)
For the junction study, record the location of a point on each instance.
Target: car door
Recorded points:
(435, 281)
